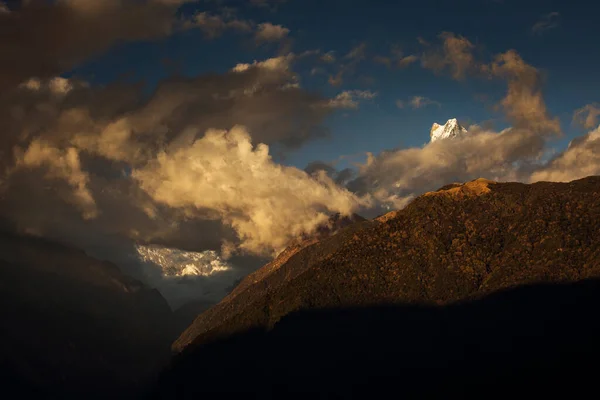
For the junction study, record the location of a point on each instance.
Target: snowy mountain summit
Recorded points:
(450, 129)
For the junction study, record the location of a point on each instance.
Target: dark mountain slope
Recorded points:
(533, 341)
(254, 287)
(461, 242)
(73, 326)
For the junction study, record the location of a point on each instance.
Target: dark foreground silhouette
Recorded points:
(536, 340)
(75, 327)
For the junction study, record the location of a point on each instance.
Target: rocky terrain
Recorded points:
(425, 274)
(463, 241)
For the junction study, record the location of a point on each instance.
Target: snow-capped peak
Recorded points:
(450, 129)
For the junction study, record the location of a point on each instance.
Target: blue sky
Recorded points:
(563, 51)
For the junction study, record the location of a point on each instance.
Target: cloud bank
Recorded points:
(107, 168)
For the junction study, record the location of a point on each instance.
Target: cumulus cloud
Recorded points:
(68, 150)
(265, 203)
(341, 177)
(546, 22)
(587, 116)
(267, 32)
(113, 124)
(45, 39)
(62, 164)
(580, 159)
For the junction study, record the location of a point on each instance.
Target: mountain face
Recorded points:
(258, 284)
(75, 327)
(462, 242)
(451, 129)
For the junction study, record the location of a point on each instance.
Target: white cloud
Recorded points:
(61, 164)
(214, 26)
(267, 32)
(581, 159)
(281, 63)
(265, 203)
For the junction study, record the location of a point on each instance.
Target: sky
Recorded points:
(227, 128)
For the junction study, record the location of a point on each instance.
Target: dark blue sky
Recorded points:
(566, 52)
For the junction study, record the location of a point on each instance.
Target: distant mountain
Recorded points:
(75, 327)
(451, 129)
(461, 242)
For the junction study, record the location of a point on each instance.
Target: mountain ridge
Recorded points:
(433, 252)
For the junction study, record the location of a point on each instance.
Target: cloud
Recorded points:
(328, 57)
(68, 150)
(357, 52)
(45, 39)
(395, 177)
(349, 99)
(265, 203)
(62, 164)
(356, 55)
(417, 102)
(407, 60)
(214, 26)
(455, 54)
(524, 103)
(587, 116)
(580, 159)
(546, 22)
(275, 64)
(268, 32)
(396, 59)
(339, 177)
(387, 61)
